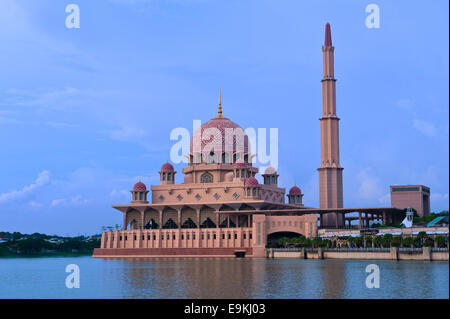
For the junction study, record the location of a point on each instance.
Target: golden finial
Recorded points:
(219, 112)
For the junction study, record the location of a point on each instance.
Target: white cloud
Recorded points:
(406, 104)
(425, 127)
(120, 195)
(34, 204)
(39, 97)
(74, 201)
(370, 187)
(368, 184)
(127, 133)
(7, 120)
(42, 180)
(439, 196)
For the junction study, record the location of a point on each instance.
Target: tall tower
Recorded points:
(330, 171)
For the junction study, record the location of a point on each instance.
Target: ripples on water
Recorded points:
(220, 278)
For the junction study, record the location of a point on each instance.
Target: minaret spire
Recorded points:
(219, 111)
(328, 42)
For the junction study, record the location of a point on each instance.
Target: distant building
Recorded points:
(415, 196)
(3, 239)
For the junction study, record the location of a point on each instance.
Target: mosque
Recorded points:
(221, 210)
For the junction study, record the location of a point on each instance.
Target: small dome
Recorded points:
(251, 181)
(295, 190)
(139, 186)
(270, 171)
(167, 167)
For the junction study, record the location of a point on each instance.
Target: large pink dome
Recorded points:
(214, 132)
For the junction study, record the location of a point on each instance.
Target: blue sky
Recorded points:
(84, 112)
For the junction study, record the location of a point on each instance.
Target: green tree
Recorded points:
(378, 241)
(369, 240)
(31, 245)
(284, 241)
(396, 241)
(408, 241)
(440, 241)
(428, 242)
(316, 241)
(387, 239)
(421, 238)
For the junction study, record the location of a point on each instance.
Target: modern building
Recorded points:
(415, 196)
(220, 209)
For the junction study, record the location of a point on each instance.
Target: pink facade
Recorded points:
(219, 209)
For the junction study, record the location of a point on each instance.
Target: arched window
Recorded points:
(164, 176)
(141, 197)
(237, 173)
(225, 158)
(254, 191)
(297, 198)
(206, 178)
(135, 196)
(211, 158)
(273, 179)
(168, 176)
(235, 157)
(246, 158)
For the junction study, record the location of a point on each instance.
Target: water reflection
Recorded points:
(191, 277)
(221, 278)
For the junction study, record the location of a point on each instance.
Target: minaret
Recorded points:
(219, 111)
(330, 171)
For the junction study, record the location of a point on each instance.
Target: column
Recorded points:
(217, 219)
(160, 218)
(360, 221)
(124, 221)
(197, 211)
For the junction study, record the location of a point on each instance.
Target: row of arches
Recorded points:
(169, 219)
(188, 223)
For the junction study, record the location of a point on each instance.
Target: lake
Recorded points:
(45, 277)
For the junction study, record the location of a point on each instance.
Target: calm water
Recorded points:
(220, 278)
